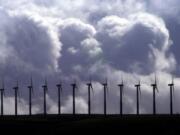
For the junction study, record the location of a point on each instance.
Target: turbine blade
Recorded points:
(3, 86)
(76, 87)
(17, 83)
(174, 95)
(157, 89)
(90, 80)
(155, 78)
(106, 80)
(140, 90)
(173, 80)
(106, 85)
(31, 81)
(46, 82)
(32, 86)
(61, 88)
(18, 93)
(4, 93)
(46, 85)
(2, 83)
(107, 89)
(92, 88)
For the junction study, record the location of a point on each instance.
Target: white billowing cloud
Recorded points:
(122, 38)
(91, 46)
(28, 45)
(79, 45)
(23, 107)
(81, 105)
(114, 26)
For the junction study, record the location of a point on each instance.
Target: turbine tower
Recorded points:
(16, 90)
(121, 86)
(2, 96)
(30, 87)
(155, 88)
(105, 86)
(59, 86)
(171, 86)
(45, 89)
(138, 91)
(74, 87)
(89, 96)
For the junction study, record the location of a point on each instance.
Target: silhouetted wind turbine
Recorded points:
(59, 86)
(105, 86)
(89, 96)
(16, 90)
(171, 85)
(30, 87)
(2, 96)
(138, 91)
(45, 88)
(121, 86)
(74, 86)
(155, 88)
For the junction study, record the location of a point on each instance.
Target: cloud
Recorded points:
(79, 46)
(81, 105)
(23, 107)
(112, 39)
(34, 39)
(167, 9)
(121, 37)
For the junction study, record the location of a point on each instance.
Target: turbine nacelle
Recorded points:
(59, 86)
(171, 84)
(138, 87)
(2, 89)
(74, 85)
(15, 88)
(45, 86)
(89, 85)
(120, 85)
(155, 87)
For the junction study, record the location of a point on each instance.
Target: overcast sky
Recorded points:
(77, 39)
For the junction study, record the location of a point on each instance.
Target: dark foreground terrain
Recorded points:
(114, 124)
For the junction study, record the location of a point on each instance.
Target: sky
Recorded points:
(63, 41)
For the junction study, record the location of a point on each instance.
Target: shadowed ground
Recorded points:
(55, 124)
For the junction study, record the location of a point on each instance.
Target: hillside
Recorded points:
(53, 124)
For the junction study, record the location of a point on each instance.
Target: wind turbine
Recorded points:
(74, 87)
(16, 90)
(171, 86)
(155, 88)
(89, 96)
(45, 89)
(2, 96)
(105, 86)
(30, 87)
(121, 86)
(59, 86)
(138, 91)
